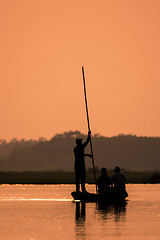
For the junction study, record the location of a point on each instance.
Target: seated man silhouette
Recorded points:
(103, 182)
(80, 169)
(118, 179)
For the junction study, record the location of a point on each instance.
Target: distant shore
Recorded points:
(60, 177)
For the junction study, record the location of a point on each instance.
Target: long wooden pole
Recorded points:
(89, 126)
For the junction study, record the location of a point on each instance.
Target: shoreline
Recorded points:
(61, 177)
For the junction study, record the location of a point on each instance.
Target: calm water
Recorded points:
(30, 212)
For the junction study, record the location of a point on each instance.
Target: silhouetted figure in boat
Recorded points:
(80, 169)
(118, 179)
(103, 181)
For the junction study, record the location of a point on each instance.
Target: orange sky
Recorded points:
(43, 45)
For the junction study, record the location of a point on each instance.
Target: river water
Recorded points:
(36, 212)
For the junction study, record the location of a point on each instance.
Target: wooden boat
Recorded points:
(110, 196)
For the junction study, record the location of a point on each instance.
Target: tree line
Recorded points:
(128, 151)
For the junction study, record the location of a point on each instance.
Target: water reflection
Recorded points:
(80, 212)
(116, 211)
(80, 217)
(104, 212)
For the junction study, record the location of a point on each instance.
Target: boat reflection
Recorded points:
(116, 211)
(103, 212)
(106, 211)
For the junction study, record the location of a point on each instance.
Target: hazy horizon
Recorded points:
(61, 133)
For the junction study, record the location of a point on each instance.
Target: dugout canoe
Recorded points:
(110, 196)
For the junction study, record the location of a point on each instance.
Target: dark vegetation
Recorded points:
(68, 177)
(129, 152)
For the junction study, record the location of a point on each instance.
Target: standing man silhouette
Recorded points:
(80, 169)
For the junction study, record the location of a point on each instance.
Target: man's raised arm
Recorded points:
(88, 139)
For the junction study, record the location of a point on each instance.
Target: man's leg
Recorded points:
(83, 180)
(77, 180)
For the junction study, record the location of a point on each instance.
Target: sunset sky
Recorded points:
(43, 45)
